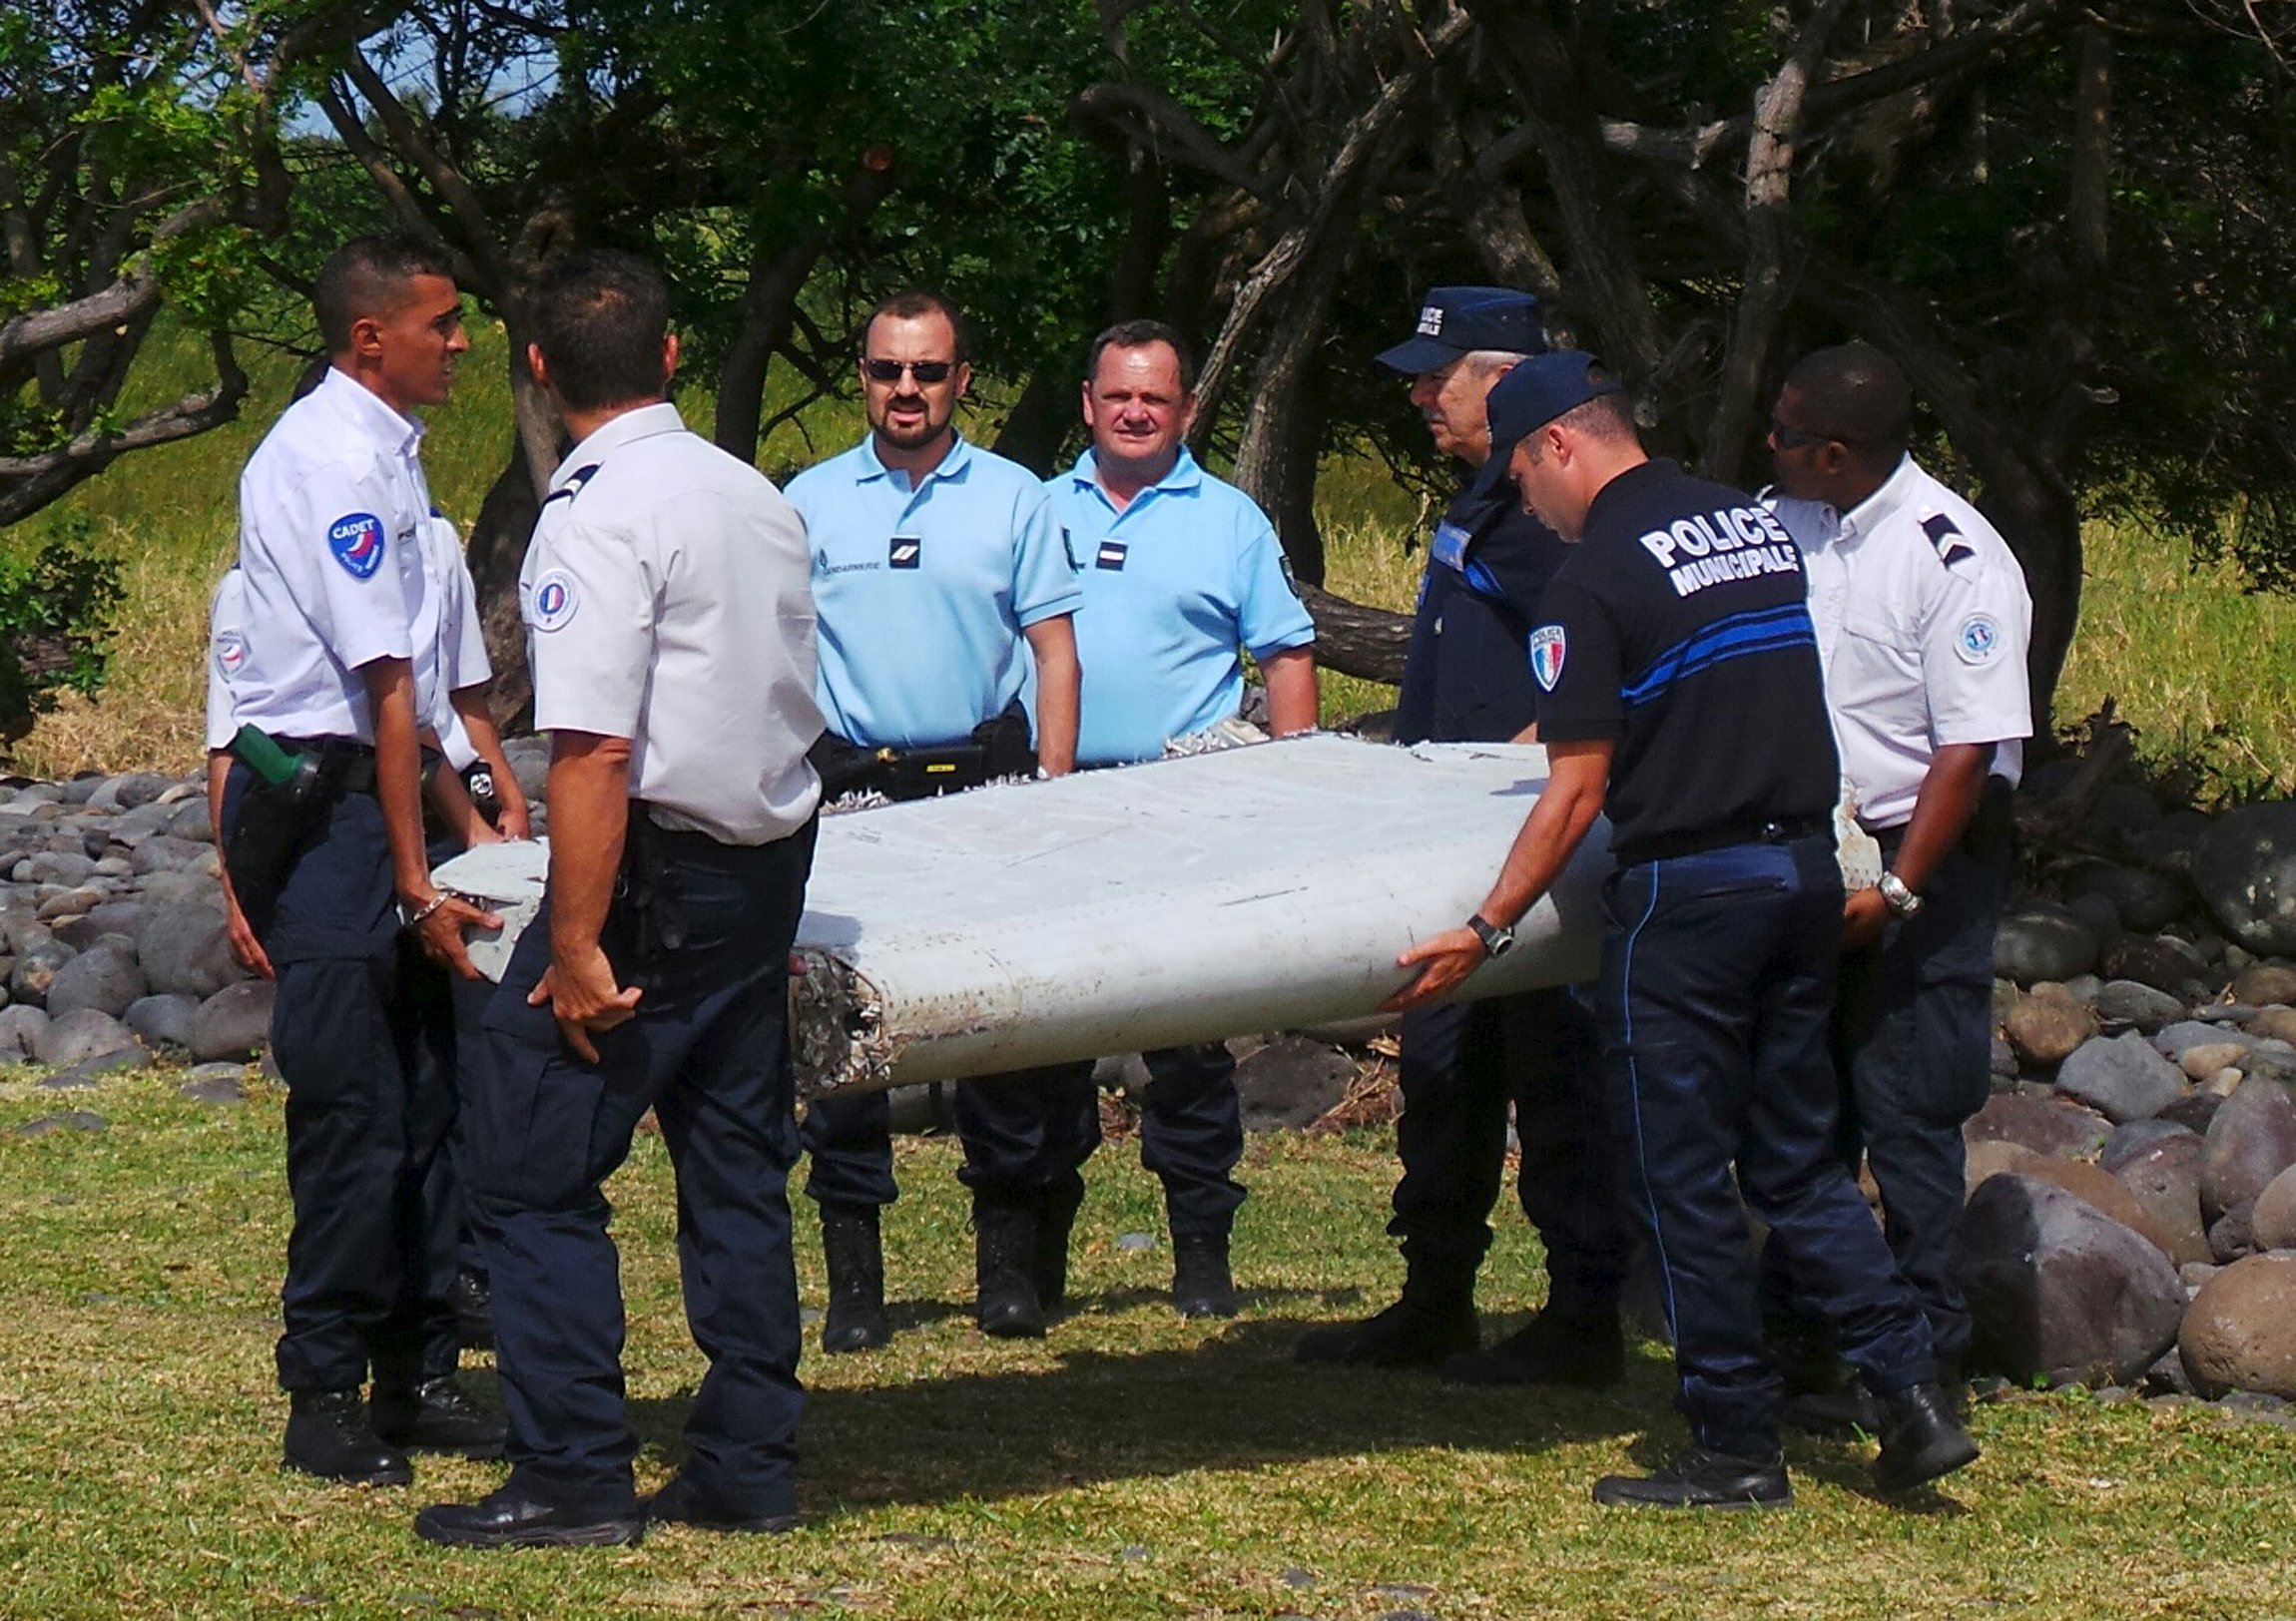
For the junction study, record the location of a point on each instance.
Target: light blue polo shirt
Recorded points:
(922, 593)
(1174, 585)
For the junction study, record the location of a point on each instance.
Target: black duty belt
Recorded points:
(345, 764)
(1697, 841)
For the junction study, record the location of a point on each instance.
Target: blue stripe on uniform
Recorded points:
(1737, 636)
(1634, 1100)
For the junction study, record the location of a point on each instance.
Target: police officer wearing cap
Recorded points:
(1680, 615)
(1922, 622)
(1182, 574)
(944, 592)
(662, 576)
(330, 677)
(1466, 679)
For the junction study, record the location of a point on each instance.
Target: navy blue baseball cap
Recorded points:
(1458, 320)
(1540, 389)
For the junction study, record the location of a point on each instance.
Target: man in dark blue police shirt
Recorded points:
(1681, 691)
(1467, 679)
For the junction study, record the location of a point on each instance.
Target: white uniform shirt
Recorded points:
(453, 655)
(334, 561)
(667, 600)
(227, 652)
(1922, 622)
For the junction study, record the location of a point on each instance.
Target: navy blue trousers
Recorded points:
(708, 1051)
(371, 1257)
(1461, 1066)
(1028, 1135)
(1716, 999)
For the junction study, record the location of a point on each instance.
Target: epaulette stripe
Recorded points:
(573, 485)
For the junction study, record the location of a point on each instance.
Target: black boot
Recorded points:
(1202, 1286)
(436, 1415)
(1433, 1320)
(1561, 1346)
(1055, 1216)
(1921, 1438)
(1005, 1237)
(855, 1258)
(503, 1519)
(1702, 1479)
(473, 1312)
(327, 1435)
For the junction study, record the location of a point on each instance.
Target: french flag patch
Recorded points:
(1111, 555)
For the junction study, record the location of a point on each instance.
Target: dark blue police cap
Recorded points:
(1540, 389)
(1458, 320)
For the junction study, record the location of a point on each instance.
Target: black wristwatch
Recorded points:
(1496, 941)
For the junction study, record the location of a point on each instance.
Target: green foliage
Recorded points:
(58, 602)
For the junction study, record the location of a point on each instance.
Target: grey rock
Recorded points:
(55, 867)
(2049, 1025)
(1291, 1083)
(2061, 1291)
(76, 902)
(2121, 1077)
(2004, 1062)
(160, 854)
(2161, 961)
(180, 888)
(66, 1120)
(2164, 1178)
(104, 977)
(186, 951)
(2244, 867)
(529, 759)
(2121, 809)
(2167, 1378)
(139, 787)
(72, 1037)
(2143, 901)
(2250, 1140)
(2272, 1222)
(1134, 1242)
(2176, 1040)
(2084, 988)
(233, 1023)
(112, 918)
(36, 969)
(162, 1021)
(191, 822)
(2098, 914)
(2232, 1235)
(2038, 940)
(20, 1027)
(2266, 984)
(88, 1071)
(2128, 1141)
(2193, 1111)
(2240, 1333)
(2061, 1130)
(214, 1088)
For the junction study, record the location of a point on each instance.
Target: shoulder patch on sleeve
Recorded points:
(231, 653)
(1979, 639)
(1946, 538)
(556, 599)
(1547, 647)
(358, 543)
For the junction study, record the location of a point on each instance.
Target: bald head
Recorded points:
(1856, 394)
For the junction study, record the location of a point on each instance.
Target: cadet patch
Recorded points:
(1111, 555)
(1951, 548)
(1978, 640)
(357, 541)
(1546, 649)
(904, 552)
(231, 653)
(555, 600)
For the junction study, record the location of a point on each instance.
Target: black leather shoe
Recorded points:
(1921, 1438)
(436, 1415)
(473, 1306)
(679, 1504)
(327, 1435)
(1006, 1252)
(1847, 1410)
(1554, 1348)
(1202, 1286)
(502, 1519)
(1702, 1479)
(1422, 1329)
(855, 1254)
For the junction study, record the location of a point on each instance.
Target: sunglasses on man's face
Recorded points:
(1786, 438)
(926, 371)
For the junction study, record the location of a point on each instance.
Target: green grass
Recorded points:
(1130, 1466)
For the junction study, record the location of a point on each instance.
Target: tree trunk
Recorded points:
(1354, 640)
(496, 553)
(1040, 420)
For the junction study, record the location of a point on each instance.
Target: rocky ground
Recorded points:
(2133, 1179)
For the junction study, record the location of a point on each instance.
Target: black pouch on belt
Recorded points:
(649, 890)
(281, 801)
(1005, 744)
(846, 767)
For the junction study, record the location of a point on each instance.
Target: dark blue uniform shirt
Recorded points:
(1678, 628)
(1466, 678)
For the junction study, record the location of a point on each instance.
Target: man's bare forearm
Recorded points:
(589, 827)
(1291, 678)
(1951, 789)
(398, 775)
(1059, 685)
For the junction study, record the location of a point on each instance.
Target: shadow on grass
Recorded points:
(1235, 1403)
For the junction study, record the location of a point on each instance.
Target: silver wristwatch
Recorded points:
(1497, 939)
(1902, 902)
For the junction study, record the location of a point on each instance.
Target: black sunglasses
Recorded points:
(1786, 438)
(926, 371)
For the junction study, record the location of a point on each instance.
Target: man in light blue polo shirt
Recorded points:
(941, 586)
(1182, 575)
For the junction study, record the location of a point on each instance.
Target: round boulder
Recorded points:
(2044, 1124)
(2240, 1333)
(20, 1028)
(2046, 1027)
(2265, 984)
(2246, 869)
(162, 1021)
(36, 969)
(2126, 1142)
(2124, 1002)
(190, 821)
(2061, 1291)
(2164, 1180)
(1292, 1082)
(2038, 940)
(2252, 1140)
(2273, 1024)
(1990, 1159)
(161, 853)
(2272, 1224)
(2143, 901)
(2162, 961)
(2103, 1193)
(2121, 1077)
(185, 950)
(104, 977)
(233, 1023)
(73, 1038)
